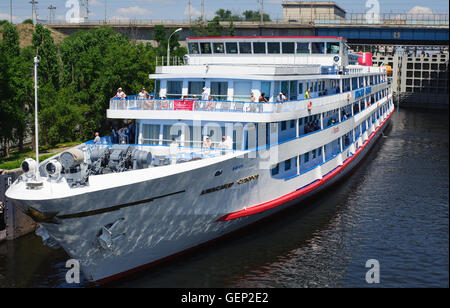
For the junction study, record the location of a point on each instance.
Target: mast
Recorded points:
(36, 122)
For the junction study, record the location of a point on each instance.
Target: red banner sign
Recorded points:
(183, 105)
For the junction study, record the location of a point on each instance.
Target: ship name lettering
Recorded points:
(248, 179)
(210, 190)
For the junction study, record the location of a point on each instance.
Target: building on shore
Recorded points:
(308, 11)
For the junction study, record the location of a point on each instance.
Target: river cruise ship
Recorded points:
(244, 128)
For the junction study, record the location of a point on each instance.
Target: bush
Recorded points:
(28, 21)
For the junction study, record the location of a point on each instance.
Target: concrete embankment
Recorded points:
(13, 222)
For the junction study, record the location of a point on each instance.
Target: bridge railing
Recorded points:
(350, 19)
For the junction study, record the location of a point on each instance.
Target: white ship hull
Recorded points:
(161, 217)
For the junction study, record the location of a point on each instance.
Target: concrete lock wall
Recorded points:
(14, 222)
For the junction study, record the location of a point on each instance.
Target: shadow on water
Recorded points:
(393, 208)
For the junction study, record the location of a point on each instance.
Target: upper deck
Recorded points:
(325, 51)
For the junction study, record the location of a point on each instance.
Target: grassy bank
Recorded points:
(17, 157)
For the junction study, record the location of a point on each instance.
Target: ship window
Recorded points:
(259, 47)
(157, 87)
(193, 48)
(205, 48)
(219, 90)
(195, 87)
(150, 133)
(302, 47)
(317, 47)
(218, 48)
(292, 123)
(242, 90)
(287, 165)
(265, 88)
(283, 125)
(231, 48)
(285, 87)
(288, 47)
(273, 47)
(332, 48)
(275, 169)
(174, 89)
(293, 91)
(300, 88)
(245, 47)
(306, 157)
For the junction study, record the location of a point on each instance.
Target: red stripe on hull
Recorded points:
(301, 192)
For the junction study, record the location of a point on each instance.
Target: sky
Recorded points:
(177, 9)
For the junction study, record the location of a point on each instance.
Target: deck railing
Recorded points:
(133, 103)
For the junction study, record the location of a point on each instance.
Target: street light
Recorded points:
(168, 45)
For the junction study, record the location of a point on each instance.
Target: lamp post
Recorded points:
(168, 45)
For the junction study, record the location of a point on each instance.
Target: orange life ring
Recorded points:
(309, 106)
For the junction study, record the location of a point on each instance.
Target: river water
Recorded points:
(394, 209)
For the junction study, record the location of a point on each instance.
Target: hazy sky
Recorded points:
(177, 9)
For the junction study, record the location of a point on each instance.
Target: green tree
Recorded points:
(12, 87)
(47, 53)
(250, 15)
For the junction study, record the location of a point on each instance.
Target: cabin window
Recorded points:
(306, 157)
(273, 47)
(332, 48)
(195, 88)
(275, 169)
(292, 123)
(285, 87)
(174, 89)
(300, 88)
(265, 88)
(205, 48)
(283, 125)
(218, 48)
(287, 165)
(231, 48)
(288, 47)
(293, 90)
(157, 87)
(259, 47)
(317, 47)
(193, 48)
(242, 90)
(219, 90)
(303, 48)
(245, 47)
(150, 133)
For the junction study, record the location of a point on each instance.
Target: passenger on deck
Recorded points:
(206, 142)
(252, 98)
(97, 138)
(262, 98)
(143, 94)
(307, 94)
(120, 94)
(204, 94)
(280, 98)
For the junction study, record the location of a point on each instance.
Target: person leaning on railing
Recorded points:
(120, 94)
(143, 94)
